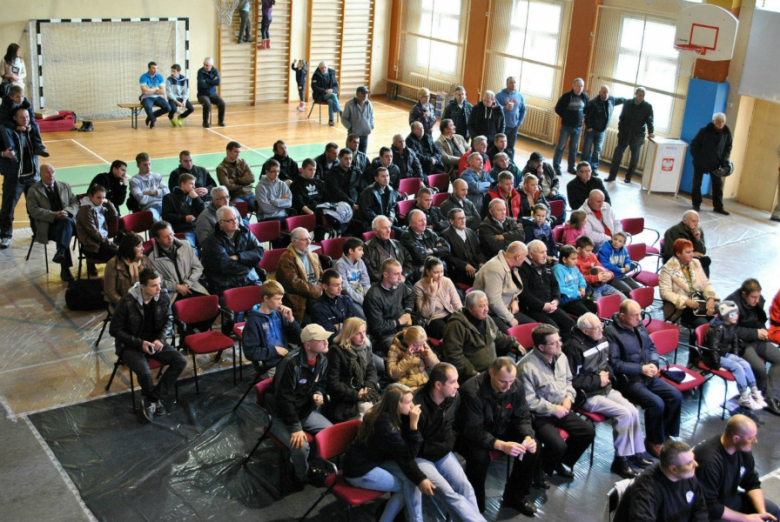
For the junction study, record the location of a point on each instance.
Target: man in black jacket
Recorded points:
(327, 160)
(497, 231)
(426, 150)
(459, 111)
(578, 190)
(384, 160)
(688, 229)
(710, 150)
(571, 109)
(298, 391)
(388, 306)
(182, 207)
(598, 114)
(342, 183)
(495, 416)
(115, 182)
(637, 114)
(406, 160)
(424, 203)
(333, 308)
(458, 200)
(439, 402)
(379, 199)
(141, 324)
(325, 89)
(203, 180)
(288, 167)
(381, 247)
(421, 242)
(541, 295)
(359, 158)
(487, 119)
(465, 255)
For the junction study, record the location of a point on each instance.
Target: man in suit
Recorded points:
(52, 206)
(465, 255)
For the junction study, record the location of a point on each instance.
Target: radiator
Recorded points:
(610, 141)
(539, 124)
(433, 84)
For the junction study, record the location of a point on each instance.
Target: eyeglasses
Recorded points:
(234, 220)
(554, 343)
(596, 328)
(223, 198)
(304, 239)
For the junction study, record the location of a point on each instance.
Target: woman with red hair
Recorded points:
(685, 290)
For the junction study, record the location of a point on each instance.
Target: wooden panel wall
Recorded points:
(236, 63)
(272, 66)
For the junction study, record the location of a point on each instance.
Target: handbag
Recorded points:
(676, 376)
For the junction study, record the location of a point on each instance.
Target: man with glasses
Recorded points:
(299, 272)
(634, 359)
(204, 225)
(588, 354)
(547, 380)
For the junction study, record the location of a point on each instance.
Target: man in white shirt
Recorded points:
(147, 187)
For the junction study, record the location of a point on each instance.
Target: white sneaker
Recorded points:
(747, 402)
(758, 397)
(5, 242)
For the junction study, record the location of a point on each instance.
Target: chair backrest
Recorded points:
(271, 259)
(607, 306)
(440, 197)
(137, 222)
(113, 227)
(410, 186)
(261, 389)
(404, 207)
(307, 221)
(558, 234)
(701, 331)
(643, 296)
(633, 226)
(242, 207)
(666, 341)
(333, 248)
(196, 309)
(522, 332)
(440, 182)
(147, 246)
(368, 235)
(266, 230)
(557, 207)
(637, 251)
(242, 298)
(334, 440)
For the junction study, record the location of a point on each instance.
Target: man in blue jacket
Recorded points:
(208, 80)
(514, 113)
(598, 114)
(571, 109)
(269, 329)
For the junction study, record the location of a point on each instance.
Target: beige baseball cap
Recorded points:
(315, 332)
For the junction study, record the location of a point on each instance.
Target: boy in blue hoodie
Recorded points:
(177, 89)
(269, 329)
(539, 229)
(614, 256)
(572, 284)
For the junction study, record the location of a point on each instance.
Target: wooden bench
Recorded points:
(136, 109)
(393, 85)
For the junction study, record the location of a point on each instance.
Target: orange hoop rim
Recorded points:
(695, 48)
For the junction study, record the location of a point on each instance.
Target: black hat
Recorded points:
(536, 156)
(363, 89)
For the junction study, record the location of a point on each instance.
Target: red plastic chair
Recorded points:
(440, 197)
(271, 259)
(666, 342)
(368, 235)
(709, 371)
(557, 208)
(138, 222)
(196, 310)
(558, 234)
(644, 298)
(410, 186)
(441, 182)
(333, 248)
(404, 207)
(240, 300)
(637, 252)
(635, 226)
(154, 364)
(608, 306)
(522, 332)
(332, 442)
(266, 231)
(243, 208)
(307, 221)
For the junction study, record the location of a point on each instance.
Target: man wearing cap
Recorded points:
(358, 117)
(298, 391)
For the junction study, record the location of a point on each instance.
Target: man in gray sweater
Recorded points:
(358, 117)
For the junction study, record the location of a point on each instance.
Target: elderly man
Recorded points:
(425, 148)
(235, 174)
(342, 182)
(710, 149)
(502, 163)
(327, 160)
(421, 242)
(546, 379)
(600, 220)
(175, 260)
(325, 89)
(288, 167)
(458, 199)
(598, 115)
(688, 229)
(634, 359)
(153, 93)
(571, 109)
(359, 158)
(728, 476)
(203, 180)
(299, 272)
(380, 248)
(472, 340)
(379, 199)
(385, 161)
(406, 160)
(514, 112)
(452, 147)
(667, 490)
(497, 230)
(358, 117)
(636, 115)
(465, 255)
(231, 253)
(433, 215)
(583, 184)
(499, 281)
(147, 188)
(541, 296)
(758, 349)
(52, 207)
(478, 180)
(588, 355)
(204, 225)
(208, 80)
(459, 111)
(141, 325)
(479, 144)
(495, 416)
(388, 306)
(487, 118)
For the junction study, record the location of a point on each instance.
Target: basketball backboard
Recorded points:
(707, 29)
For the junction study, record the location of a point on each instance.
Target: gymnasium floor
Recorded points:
(48, 359)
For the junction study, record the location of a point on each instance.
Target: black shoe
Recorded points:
(206, 124)
(639, 461)
(159, 409)
(331, 123)
(221, 124)
(147, 408)
(249, 41)
(151, 125)
(772, 406)
(722, 211)
(620, 467)
(697, 208)
(5, 242)
(627, 180)
(610, 178)
(41, 151)
(59, 257)
(773, 218)
(65, 274)
(540, 481)
(563, 472)
(147, 121)
(571, 171)
(521, 504)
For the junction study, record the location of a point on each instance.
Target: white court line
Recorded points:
(242, 145)
(55, 141)
(267, 123)
(93, 153)
(8, 410)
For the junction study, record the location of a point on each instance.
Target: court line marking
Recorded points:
(93, 153)
(242, 145)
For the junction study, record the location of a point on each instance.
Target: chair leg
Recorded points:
(593, 443)
(311, 109)
(29, 250)
(259, 441)
(701, 396)
(195, 373)
(240, 360)
(113, 374)
(132, 390)
(102, 330)
(234, 365)
(725, 398)
(46, 257)
(322, 495)
(251, 387)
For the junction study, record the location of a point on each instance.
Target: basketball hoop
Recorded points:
(688, 56)
(225, 9)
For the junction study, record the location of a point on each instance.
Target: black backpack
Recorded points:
(85, 295)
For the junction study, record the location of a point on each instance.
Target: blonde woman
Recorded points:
(423, 111)
(353, 384)
(410, 356)
(436, 297)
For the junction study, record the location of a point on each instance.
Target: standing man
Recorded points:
(598, 114)
(571, 109)
(459, 111)
(637, 114)
(153, 93)
(710, 150)
(325, 89)
(487, 118)
(203, 180)
(514, 113)
(208, 80)
(358, 117)
(52, 207)
(115, 182)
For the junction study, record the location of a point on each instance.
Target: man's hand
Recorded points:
(318, 400)
(757, 517)
(696, 233)
(514, 308)
(362, 393)
(201, 191)
(650, 370)
(698, 255)
(147, 347)
(281, 351)
(567, 404)
(561, 412)
(604, 276)
(513, 322)
(61, 214)
(651, 136)
(471, 271)
(297, 439)
(180, 104)
(625, 269)
(355, 207)
(9, 153)
(183, 289)
(426, 487)
(158, 345)
(328, 91)
(286, 196)
(530, 444)
(405, 320)
(512, 449)
(190, 219)
(500, 237)
(548, 308)
(234, 258)
(150, 192)
(604, 378)
(763, 335)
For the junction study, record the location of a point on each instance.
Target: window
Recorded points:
(770, 5)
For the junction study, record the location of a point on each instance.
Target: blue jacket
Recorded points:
(300, 74)
(208, 81)
(516, 116)
(614, 260)
(542, 233)
(327, 312)
(629, 350)
(570, 281)
(256, 329)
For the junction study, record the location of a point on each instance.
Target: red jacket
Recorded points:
(774, 320)
(585, 264)
(463, 162)
(513, 203)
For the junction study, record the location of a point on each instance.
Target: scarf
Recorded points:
(133, 268)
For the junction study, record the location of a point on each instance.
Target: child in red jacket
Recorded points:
(593, 271)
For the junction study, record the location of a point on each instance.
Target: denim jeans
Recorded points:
(61, 231)
(661, 402)
(314, 423)
(174, 108)
(380, 479)
(741, 370)
(333, 104)
(572, 135)
(13, 188)
(453, 490)
(155, 208)
(601, 291)
(160, 102)
(511, 139)
(137, 362)
(592, 141)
